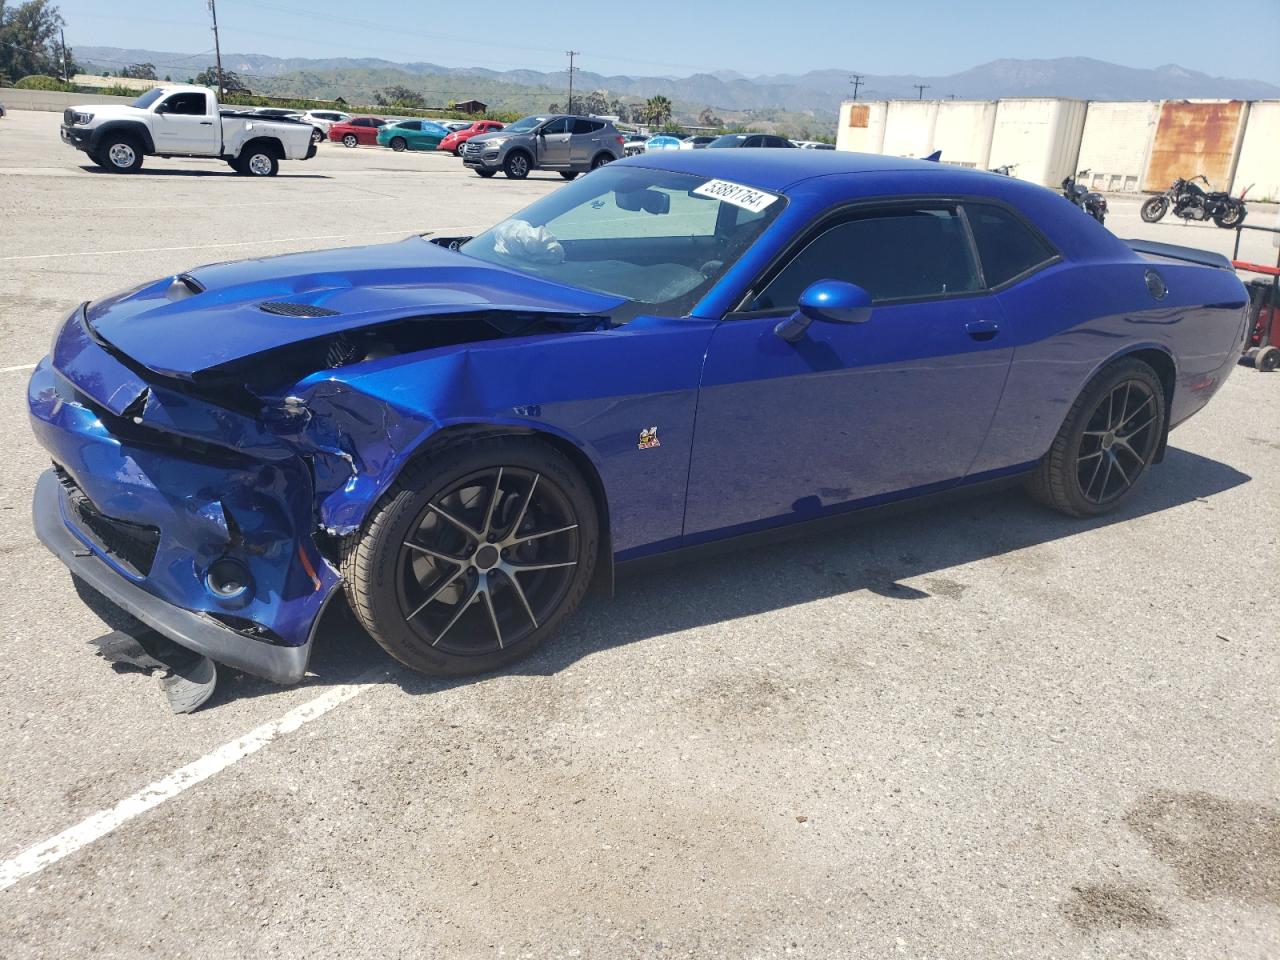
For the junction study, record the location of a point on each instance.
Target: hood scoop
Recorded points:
(283, 308)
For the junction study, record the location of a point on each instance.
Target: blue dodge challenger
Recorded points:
(463, 433)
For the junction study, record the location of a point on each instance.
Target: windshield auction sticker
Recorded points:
(748, 198)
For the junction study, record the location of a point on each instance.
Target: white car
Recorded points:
(185, 121)
(322, 120)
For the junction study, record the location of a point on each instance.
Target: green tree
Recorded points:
(139, 71)
(657, 110)
(30, 40)
(708, 119)
(231, 82)
(398, 95)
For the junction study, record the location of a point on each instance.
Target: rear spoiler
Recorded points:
(1172, 251)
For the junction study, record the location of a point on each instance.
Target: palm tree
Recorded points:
(657, 110)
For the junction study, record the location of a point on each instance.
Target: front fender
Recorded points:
(133, 127)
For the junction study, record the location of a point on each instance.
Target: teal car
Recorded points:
(412, 135)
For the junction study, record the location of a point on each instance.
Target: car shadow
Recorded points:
(149, 172)
(875, 556)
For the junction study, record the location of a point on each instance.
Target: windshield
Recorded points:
(656, 238)
(148, 98)
(528, 123)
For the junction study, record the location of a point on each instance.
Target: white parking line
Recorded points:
(207, 246)
(37, 857)
(21, 366)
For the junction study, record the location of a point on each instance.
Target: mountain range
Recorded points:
(816, 94)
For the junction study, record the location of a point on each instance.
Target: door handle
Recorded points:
(206, 123)
(982, 329)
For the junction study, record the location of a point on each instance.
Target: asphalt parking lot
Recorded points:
(980, 730)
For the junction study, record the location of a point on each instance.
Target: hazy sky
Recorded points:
(680, 37)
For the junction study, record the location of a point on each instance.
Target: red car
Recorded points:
(454, 141)
(356, 131)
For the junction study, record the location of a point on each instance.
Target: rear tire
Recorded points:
(601, 160)
(257, 162)
(1267, 359)
(513, 498)
(1231, 218)
(1107, 441)
(1155, 209)
(317, 135)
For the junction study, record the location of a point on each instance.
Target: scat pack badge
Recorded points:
(648, 439)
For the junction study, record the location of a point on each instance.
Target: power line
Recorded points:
(921, 88)
(856, 80)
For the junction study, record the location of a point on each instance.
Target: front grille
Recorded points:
(283, 308)
(472, 149)
(133, 545)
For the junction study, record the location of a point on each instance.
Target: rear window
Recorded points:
(1007, 246)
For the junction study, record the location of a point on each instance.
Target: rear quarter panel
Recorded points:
(1070, 320)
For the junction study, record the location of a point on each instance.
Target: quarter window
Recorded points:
(1007, 246)
(897, 254)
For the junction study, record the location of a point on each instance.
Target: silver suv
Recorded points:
(571, 145)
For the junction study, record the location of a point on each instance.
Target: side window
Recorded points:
(892, 254)
(754, 142)
(186, 104)
(563, 125)
(1007, 247)
(410, 125)
(585, 126)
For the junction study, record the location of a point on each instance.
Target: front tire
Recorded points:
(1108, 440)
(474, 556)
(1155, 209)
(517, 165)
(482, 172)
(123, 154)
(568, 174)
(350, 141)
(398, 144)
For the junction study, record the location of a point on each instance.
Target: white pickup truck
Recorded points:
(184, 121)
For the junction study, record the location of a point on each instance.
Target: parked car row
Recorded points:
(639, 143)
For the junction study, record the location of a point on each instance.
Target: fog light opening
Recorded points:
(228, 579)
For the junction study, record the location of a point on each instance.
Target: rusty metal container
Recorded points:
(1196, 137)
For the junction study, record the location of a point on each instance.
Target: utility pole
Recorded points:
(920, 87)
(217, 46)
(571, 54)
(62, 35)
(856, 80)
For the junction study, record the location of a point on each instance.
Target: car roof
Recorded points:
(771, 169)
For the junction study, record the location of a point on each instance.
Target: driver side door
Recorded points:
(184, 123)
(850, 414)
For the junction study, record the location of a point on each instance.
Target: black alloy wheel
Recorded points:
(1153, 210)
(475, 556)
(1110, 436)
(1118, 442)
(398, 144)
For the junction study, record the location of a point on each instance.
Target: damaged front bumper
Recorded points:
(210, 543)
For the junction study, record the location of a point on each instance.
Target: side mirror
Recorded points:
(162, 108)
(831, 301)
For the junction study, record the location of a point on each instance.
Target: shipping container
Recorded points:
(1196, 137)
(1259, 162)
(1116, 143)
(862, 124)
(908, 128)
(963, 132)
(1040, 135)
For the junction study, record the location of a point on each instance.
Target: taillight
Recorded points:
(620, 140)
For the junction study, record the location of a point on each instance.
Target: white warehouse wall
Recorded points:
(963, 132)
(908, 129)
(1040, 135)
(1116, 143)
(1259, 160)
(862, 124)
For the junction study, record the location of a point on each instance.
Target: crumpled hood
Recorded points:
(175, 332)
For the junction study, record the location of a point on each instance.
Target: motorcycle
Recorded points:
(1191, 202)
(1092, 203)
(1005, 170)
